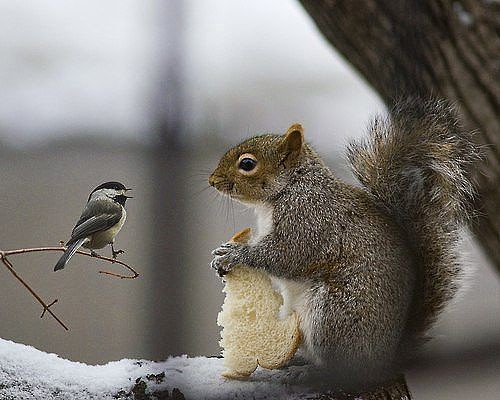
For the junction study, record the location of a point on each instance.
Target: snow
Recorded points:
(28, 373)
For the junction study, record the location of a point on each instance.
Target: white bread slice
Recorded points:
(253, 334)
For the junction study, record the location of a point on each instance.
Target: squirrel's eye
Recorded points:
(247, 164)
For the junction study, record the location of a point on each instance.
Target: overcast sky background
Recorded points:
(92, 68)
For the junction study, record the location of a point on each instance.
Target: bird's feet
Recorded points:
(116, 252)
(93, 253)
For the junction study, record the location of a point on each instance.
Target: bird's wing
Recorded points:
(97, 216)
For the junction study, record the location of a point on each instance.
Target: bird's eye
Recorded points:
(247, 164)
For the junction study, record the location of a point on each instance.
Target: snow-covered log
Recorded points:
(28, 373)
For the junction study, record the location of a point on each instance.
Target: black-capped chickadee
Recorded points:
(101, 220)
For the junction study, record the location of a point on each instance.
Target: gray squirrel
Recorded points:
(368, 269)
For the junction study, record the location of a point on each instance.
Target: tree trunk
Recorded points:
(442, 48)
(394, 390)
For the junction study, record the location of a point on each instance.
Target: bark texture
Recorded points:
(442, 48)
(394, 390)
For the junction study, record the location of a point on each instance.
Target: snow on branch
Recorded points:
(28, 373)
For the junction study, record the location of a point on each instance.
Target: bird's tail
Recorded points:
(70, 251)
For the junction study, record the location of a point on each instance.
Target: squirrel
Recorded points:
(367, 269)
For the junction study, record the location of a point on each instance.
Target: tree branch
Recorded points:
(46, 307)
(29, 373)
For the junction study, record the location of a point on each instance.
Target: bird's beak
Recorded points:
(126, 190)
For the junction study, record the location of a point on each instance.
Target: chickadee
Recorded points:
(101, 220)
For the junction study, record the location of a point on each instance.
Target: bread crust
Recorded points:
(245, 348)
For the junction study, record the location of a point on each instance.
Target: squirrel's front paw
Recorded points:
(227, 256)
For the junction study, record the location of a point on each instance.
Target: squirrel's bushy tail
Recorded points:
(414, 162)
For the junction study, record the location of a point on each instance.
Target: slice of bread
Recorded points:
(253, 334)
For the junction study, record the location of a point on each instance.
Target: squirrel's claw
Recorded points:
(221, 272)
(224, 249)
(217, 264)
(226, 256)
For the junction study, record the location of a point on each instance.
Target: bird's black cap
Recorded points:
(110, 185)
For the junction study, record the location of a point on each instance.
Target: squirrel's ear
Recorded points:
(293, 140)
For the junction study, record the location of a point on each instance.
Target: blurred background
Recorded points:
(152, 94)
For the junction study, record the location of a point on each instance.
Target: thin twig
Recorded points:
(134, 275)
(50, 305)
(46, 307)
(10, 267)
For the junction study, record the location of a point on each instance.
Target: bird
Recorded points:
(101, 220)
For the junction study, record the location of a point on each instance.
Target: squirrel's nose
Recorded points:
(211, 180)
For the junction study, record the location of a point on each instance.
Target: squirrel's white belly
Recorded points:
(295, 294)
(296, 298)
